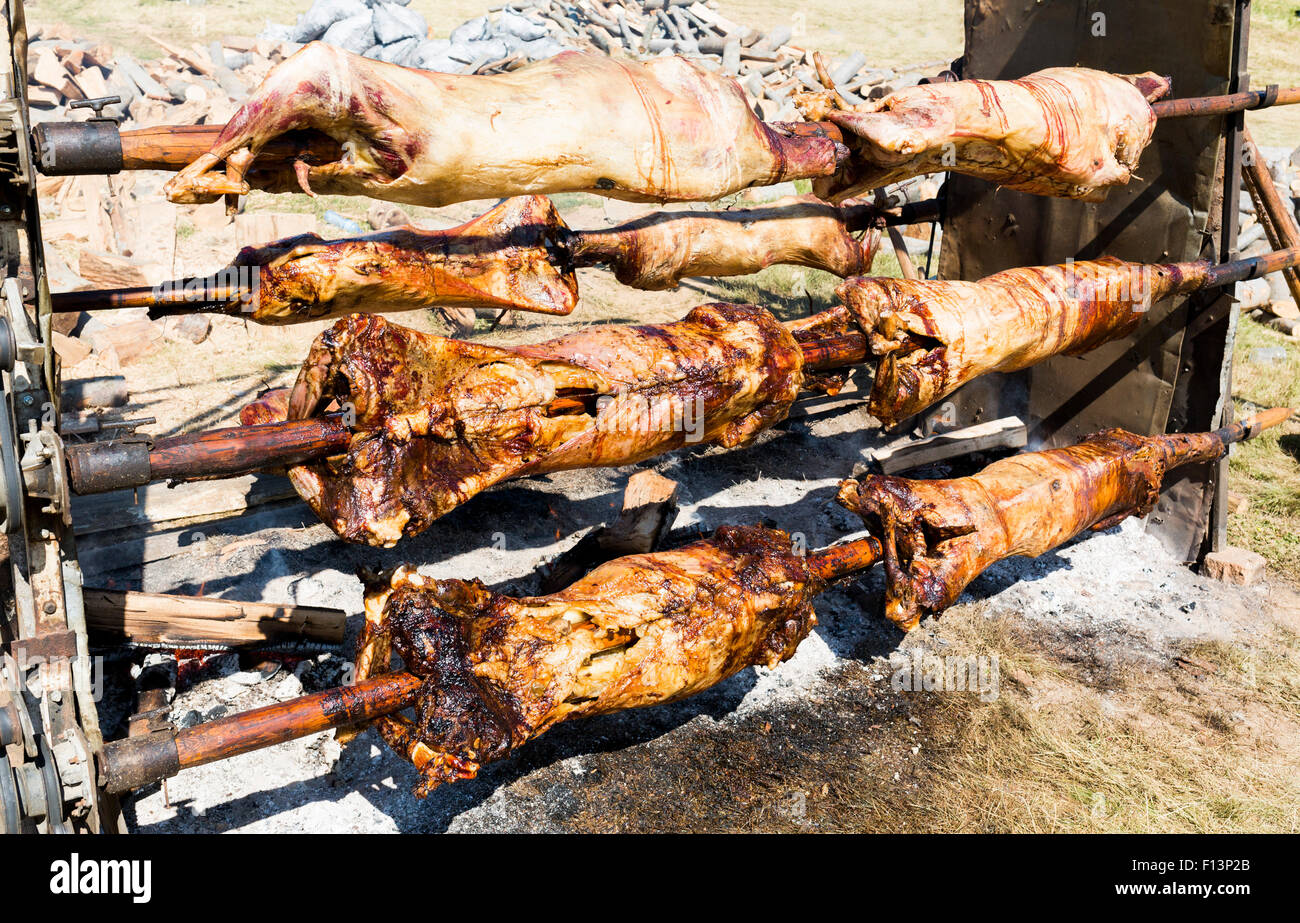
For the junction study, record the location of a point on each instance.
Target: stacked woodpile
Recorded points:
(195, 84)
(1272, 299)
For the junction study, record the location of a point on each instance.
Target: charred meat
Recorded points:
(1065, 131)
(932, 336)
(439, 420)
(651, 131)
(659, 250)
(938, 536)
(639, 630)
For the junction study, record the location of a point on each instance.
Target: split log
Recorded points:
(154, 618)
(1006, 433)
(649, 507)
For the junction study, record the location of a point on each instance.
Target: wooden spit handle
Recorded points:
(136, 761)
(1230, 102)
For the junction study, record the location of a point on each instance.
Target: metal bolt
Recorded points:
(51, 607)
(28, 400)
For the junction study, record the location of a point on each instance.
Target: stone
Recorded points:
(323, 14)
(128, 342)
(396, 53)
(1234, 565)
(354, 34)
(110, 270)
(71, 350)
(470, 31)
(520, 26)
(392, 23)
(191, 328)
(383, 215)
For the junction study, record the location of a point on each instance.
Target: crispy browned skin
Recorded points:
(510, 257)
(439, 420)
(940, 535)
(637, 631)
(659, 250)
(932, 336)
(521, 256)
(1065, 131)
(655, 131)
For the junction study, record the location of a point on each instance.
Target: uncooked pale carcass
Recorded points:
(657, 251)
(1065, 131)
(521, 256)
(439, 420)
(654, 131)
(510, 257)
(932, 336)
(639, 630)
(938, 536)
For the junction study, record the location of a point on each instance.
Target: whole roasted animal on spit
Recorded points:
(520, 255)
(653, 131)
(1064, 131)
(932, 336)
(439, 420)
(937, 536)
(486, 672)
(639, 630)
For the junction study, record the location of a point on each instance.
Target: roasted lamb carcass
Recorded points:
(439, 420)
(639, 630)
(1065, 131)
(510, 257)
(937, 536)
(932, 336)
(654, 131)
(659, 250)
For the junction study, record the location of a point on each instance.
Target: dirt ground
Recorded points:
(1132, 695)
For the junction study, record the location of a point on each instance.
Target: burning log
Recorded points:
(639, 630)
(937, 536)
(933, 336)
(655, 131)
(519, 256)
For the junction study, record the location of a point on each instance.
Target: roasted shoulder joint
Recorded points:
(659, 250)
(1065, 131)
(639, 630)
(932, 336)
(509, 257)
(937, 536)
(654, 131)
(439, 420)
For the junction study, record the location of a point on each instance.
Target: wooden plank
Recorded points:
(1006, 433)
(155, 618)
(136, 546)
(196, 501)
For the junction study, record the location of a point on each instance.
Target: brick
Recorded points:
(1234, 565)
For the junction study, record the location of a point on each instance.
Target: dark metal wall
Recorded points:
(1161, 378)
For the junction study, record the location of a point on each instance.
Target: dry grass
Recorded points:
(1134, 750)
(1266, 470)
